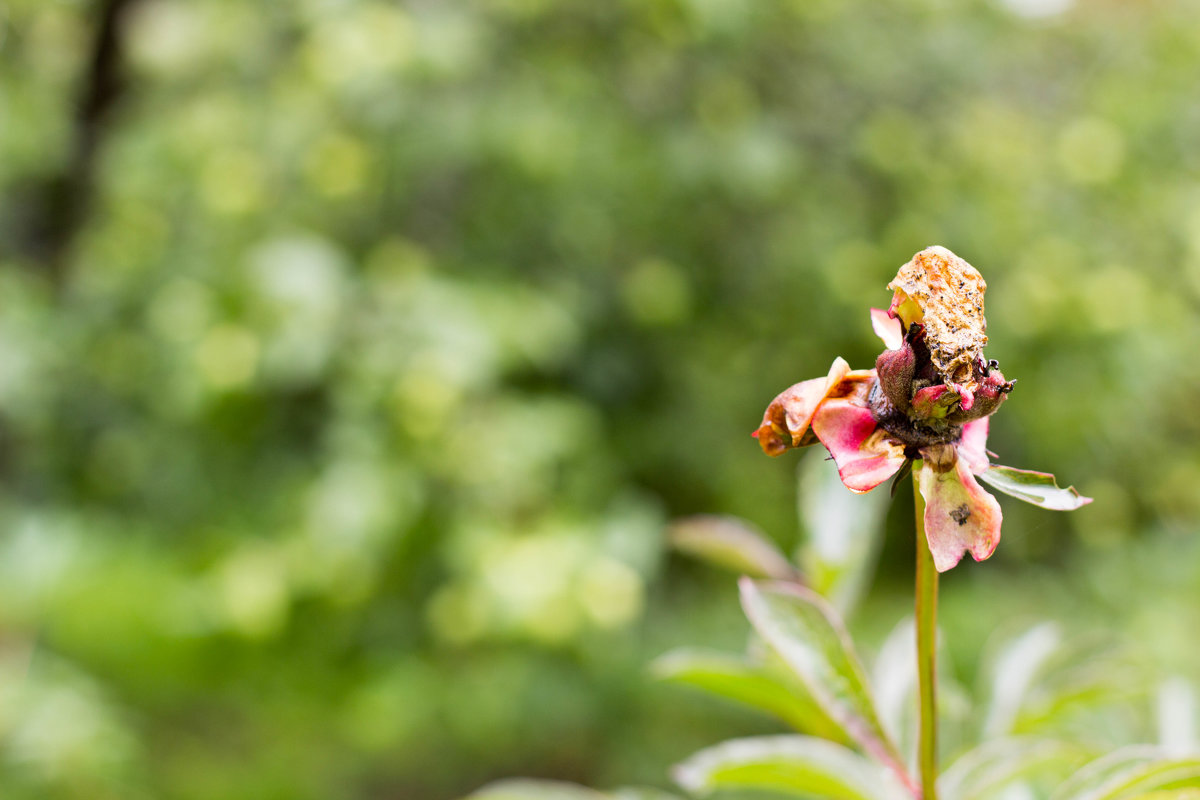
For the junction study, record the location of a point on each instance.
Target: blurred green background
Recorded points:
(353, 355)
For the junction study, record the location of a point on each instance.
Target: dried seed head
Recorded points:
(945, 294)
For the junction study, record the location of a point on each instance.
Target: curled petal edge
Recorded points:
(960, 517)
(787, 418)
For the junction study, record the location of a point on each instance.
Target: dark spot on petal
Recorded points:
(961, 514)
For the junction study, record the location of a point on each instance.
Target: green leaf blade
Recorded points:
(1038, 488)
(998, 763)
(843, 532)
(530, 789)
(806, 634)
(735, 679)
(534, 789)
(1168, 774)
(1131, 773)
(731, 543)
(800, 766)
(1013, 675)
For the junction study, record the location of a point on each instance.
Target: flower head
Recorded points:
(928, 399)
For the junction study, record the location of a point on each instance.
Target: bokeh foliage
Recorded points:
(339, 434)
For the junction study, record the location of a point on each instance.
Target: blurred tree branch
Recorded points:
(57, 205)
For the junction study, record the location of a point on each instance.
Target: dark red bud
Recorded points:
(895, 369)
(991, 393)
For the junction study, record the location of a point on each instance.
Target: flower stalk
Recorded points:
(926, 613)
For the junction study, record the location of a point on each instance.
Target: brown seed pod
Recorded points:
(945, 294)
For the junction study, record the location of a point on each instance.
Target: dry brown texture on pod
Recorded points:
(949, 295)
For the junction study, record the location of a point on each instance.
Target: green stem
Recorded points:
(927, 592)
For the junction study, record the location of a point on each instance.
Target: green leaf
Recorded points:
(807, 635)
(740, 681)
(1177, 716)
(894, 680)
(639, 793)
(529, 789)
(732, 543)
(992, 766)
(843, 532)
(1013, 673)
(800, 766)
(1095, 773)
(1174, 773)
(1038, 488)
(1074, 691)
(1131, 773)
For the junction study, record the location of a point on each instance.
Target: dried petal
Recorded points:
(866, 455)
(887, 328)
(960, 517)
(788, 416)
(945, 294)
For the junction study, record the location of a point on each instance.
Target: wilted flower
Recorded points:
(928, 398)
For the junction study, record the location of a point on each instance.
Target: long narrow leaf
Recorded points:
(842, 532)
(806, 634)
(999, 763)
(731, 543)
(1013, 673)
(1177, 716)
(894, 678)
(1105, 771)
(801, 766)
(638, 793)
(529, 789)
(1173, 774)
(736, 679)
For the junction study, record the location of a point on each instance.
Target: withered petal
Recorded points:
(945, 294)
(960, 517)
(787, 418)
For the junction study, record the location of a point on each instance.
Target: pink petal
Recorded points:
(973, 447)
(887, 328)
(788, 416)
(934, 401)
(960, 517)
(967, 397)
(865, 454)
